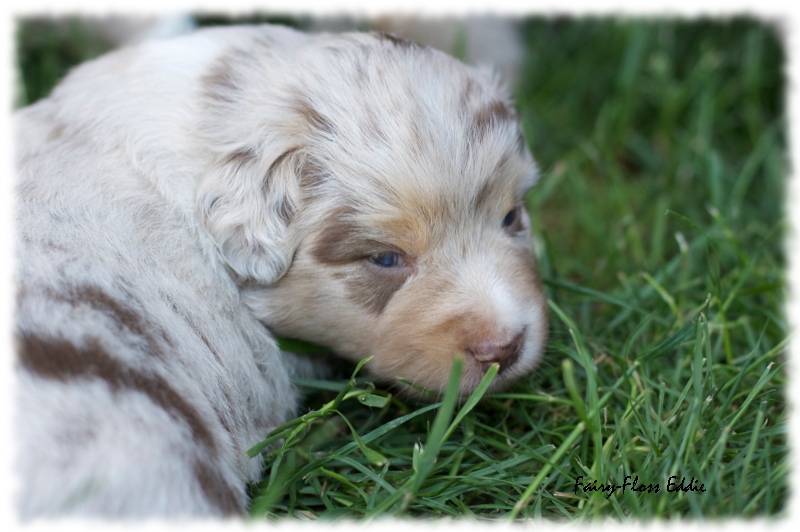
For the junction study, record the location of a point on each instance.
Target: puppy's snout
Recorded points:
(494, 351)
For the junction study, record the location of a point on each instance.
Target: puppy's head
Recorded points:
(386, 213)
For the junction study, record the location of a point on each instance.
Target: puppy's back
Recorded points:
(141, 378)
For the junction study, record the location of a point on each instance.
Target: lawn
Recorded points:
(659, 223)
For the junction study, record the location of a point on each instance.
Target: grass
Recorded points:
(659, 224)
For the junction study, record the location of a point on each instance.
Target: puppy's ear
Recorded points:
(256, 135)
(247, 204)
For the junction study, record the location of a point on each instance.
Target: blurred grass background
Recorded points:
(659, 220)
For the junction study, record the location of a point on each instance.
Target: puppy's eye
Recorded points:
(388, 260)
(510, 218)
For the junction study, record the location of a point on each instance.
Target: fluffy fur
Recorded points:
(174, 198)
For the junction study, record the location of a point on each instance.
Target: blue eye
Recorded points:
(510, 218)
(388, 260)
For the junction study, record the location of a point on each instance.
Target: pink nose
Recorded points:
(501, 352)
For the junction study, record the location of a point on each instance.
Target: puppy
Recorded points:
(180, 202)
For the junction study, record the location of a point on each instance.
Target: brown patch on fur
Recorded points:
(281, 159)
(313, 117)
(52, 245)
(285, 209)
(343, 240)
(219, 84)
(226, 413)
(490, 115)
(400, 42)
(125, 316)
(62, 360)
(310, 174)
(203, 338)
(216, 490)
(373, 289)
(240, 158)
(482, 198)
(209, 346)
(239, 161)
(342, 243)
(412, 231)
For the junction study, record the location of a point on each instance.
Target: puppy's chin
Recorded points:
(424, 375)
(419, 378)
(472, 374)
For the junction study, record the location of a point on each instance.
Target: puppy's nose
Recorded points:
(493, 351)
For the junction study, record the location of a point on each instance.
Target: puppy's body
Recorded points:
(144, 378)
(175, 197)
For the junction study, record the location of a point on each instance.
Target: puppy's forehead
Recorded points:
(408, 124)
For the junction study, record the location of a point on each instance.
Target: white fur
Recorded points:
(175, 197)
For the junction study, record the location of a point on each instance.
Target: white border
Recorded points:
(774, 10)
